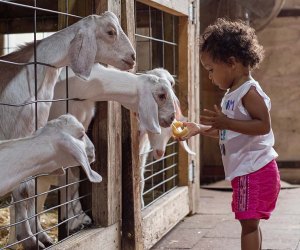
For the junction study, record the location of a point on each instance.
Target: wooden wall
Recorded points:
(279, 75)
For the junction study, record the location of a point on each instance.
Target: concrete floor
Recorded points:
(215, 227)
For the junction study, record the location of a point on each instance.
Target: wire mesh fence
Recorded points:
(156, 35)
(38, 20)
(157, 47)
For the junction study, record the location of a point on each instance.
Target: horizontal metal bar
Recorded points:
(45, 230)
(159, 184)
(26, 64)
(37, 8)
(44, 211)
(162, 195)
(39, 101)
(47, 192)
(156, 39)
(161, 171)
(163, 158)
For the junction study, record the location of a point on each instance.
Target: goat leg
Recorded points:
(35, 224)
(23, 230)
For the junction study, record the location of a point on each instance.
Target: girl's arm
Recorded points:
(257, 109)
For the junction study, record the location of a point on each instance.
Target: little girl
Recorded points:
(229, 51)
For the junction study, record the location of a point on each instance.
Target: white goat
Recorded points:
(139, 93)
(157, 142)
(92, 39)
(62, 142)
(148, 95)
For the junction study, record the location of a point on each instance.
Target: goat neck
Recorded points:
(105, 84)
(20, 160)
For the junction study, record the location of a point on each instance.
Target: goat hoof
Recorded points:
(48, 244)
(31, 244)
(45, 239)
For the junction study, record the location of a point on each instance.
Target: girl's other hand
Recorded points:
(216, 119)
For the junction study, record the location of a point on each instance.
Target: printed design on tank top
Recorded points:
(222, 138)
(229, 105)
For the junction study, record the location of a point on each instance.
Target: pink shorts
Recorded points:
(255, 195)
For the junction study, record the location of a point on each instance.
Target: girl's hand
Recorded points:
(216, 119)
(194, 129)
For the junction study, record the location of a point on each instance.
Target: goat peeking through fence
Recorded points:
(92, 39)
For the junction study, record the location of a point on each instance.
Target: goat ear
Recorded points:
(178, 113)
(77, 151)
(148, 111)
(187, 148)
(82, 53)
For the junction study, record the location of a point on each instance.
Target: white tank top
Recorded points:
(243, 154)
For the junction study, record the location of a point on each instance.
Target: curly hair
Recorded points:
(226, 38)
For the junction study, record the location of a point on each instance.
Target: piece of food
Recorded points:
(177, 129)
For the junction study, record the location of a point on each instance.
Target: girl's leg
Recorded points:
(251, 235)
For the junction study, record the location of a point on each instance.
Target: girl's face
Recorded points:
(221, 74)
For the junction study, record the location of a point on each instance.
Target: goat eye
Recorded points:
(111, 33)
(162, 96)
(81, 136)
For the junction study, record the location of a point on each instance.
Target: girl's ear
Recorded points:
(232, 61)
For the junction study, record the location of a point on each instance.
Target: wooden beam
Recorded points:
(98, 238)
(2, 44)
(174, 7)
(131, 200)
(106, 196)
(289, 12)
(163, 215)
(12, 26)
(189, 91)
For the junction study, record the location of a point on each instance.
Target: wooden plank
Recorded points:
(1, 44)
(163, 215)
(107, 139)
(289, 12)
(194, 105)
(131, 202)
(174, 7)
(107, 238)
(189, 96)
(13, 26)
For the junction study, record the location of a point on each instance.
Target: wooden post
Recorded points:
(131, 201)
(2, 36)
(211, 161)
(189, 96)
(106, 132)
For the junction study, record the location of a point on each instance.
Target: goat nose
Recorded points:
(133, 57)
(159, 153)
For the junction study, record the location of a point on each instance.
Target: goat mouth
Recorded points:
(164, 123)
(130, 64)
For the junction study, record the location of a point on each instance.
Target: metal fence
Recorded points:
(36, 18)
(156, 35)
(157, 46)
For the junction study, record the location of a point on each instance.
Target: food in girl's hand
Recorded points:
(177, 129)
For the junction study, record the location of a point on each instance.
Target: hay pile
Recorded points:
(47, 220)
